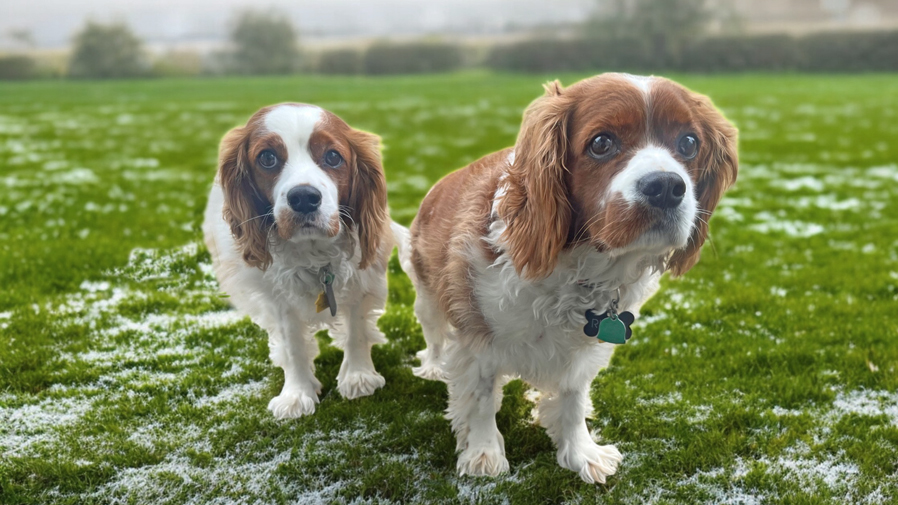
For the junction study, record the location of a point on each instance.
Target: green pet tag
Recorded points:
(609, 326)
(612, 330)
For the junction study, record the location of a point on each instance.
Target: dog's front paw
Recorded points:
(486, 460)
(292, 404)
(360, 383)
(591, 461)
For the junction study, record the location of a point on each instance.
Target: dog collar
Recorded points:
(326, 298)
(609, 326)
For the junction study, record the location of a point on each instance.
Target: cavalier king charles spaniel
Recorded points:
(299, 234)
(611, 183)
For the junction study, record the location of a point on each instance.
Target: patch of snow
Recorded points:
(668, 399)
(829, 202)
(884, 172)
(231, 394)
(806, 182)
(866, 402)
(75, 176)
(797, 229)
(93, 287)
(28, 426)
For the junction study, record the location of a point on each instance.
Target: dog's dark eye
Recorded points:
(267, 159)
(333, 159)
(687, 146)
(602, 146)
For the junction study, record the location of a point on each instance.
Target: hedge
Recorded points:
(411, 58)
(820, 52)
(340, 62)
(850, 52)
(17, 68)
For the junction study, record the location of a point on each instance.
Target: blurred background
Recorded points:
(140, 38)
(768, 374)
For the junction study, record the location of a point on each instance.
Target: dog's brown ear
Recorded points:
(535, 207)
(245, 210)
(718, 164)
(367, 195)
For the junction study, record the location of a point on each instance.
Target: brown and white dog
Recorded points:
(299, 200)
(611, 182)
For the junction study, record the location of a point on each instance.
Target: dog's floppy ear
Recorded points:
(718, 163)
(244, 209)
(535, 207)
(367, 195)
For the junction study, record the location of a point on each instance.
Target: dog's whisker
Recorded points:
(271, 214)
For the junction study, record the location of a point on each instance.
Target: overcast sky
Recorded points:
(53, 22)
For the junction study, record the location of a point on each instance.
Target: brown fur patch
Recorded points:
(246, 208)
(449, 228)
(535, 207)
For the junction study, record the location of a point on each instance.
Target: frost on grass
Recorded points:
(178, 479)
(174, 267)
(797, 471)
(27, 428)
(129, 352)
(147, 322)
(247, 474)
(803, 469)
(770, 223)
(867, 403)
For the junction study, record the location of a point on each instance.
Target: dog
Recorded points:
(610, 183)
(299, 234)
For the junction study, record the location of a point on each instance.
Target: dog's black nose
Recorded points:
(664, 190)
(304, 199)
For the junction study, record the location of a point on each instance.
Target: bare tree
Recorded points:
(264, 43)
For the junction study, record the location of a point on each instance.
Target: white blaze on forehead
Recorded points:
(295, 124)
(643, 82)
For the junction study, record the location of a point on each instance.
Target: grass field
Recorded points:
(766, 375)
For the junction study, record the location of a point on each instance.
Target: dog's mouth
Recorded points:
(668, 233)
(292, 226)
(644, 228)
(295, 227)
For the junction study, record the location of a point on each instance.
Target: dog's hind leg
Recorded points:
(436, 333)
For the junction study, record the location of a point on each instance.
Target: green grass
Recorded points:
(766, 375)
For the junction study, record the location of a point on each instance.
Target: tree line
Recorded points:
(636, 35)
(259, 43)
